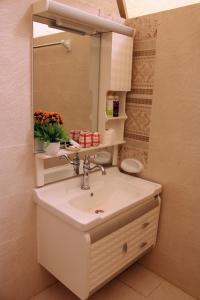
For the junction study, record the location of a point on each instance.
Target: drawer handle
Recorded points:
(145, 225)
(142, 245)
(125, 248)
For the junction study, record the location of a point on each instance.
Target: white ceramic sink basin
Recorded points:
(109, 195)
(105, 196)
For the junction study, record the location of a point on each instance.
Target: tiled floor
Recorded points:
(137, 283)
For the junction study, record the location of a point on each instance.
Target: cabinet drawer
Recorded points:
(113, 252)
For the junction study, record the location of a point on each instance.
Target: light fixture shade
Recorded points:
(61, 15)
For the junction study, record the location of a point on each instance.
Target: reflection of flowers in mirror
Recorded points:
(42, 117)
(48, 128)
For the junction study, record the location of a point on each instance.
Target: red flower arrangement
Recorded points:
(43, 117)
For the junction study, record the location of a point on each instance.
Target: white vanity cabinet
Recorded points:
(84, 261)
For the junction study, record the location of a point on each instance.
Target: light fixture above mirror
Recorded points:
(58, 15)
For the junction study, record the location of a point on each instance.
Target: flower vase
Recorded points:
(52, 148)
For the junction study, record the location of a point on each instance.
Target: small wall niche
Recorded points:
(122, 103)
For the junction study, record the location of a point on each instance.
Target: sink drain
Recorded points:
(99, 211)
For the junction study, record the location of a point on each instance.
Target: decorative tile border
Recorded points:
(143, 72)
(151, 52)
(140, 98)
(139, 101)
(146, 27)
(137, 137)
(142, 91)
(139, 119)
(144, 45)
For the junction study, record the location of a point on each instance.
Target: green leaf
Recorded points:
(50, 133)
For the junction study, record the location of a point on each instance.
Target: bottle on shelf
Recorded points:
(116, 106)
(109, 105)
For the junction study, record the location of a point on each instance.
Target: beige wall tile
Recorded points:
(173, 155)
(17, 257)
(175, 124)
(16, 170)
(17, 216)
(31, 283)
(15, 64)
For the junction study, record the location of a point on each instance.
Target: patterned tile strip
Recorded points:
(144, 53)
(139, 101)
(142, 91)
(136, 137)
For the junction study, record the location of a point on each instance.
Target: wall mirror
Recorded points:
(66, 76)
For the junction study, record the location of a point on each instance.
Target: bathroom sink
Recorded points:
(109, 196)
(105, 197)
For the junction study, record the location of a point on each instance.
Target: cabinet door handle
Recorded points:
(142, 245)
(125, 248)
(146, 224)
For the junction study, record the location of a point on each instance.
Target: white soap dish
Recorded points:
(131, 165)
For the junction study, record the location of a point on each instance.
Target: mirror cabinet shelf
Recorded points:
(40, 158)
(81, 150)
(122, 117)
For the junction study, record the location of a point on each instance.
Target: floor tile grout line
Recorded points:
(164, 280)
(129, 286)
(161, 282)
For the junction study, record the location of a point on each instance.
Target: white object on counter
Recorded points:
(74, 146)
(74, 143)
(103, 158)
(109, 136)
(131, 165)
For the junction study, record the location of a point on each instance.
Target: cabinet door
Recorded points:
(121, 62)
(111, 253)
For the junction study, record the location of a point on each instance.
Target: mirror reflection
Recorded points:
(66, 76)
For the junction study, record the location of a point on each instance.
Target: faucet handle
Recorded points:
(86, 161)
(75, 161)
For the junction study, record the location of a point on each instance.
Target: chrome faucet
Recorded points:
(87, 169)
(75, 162)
